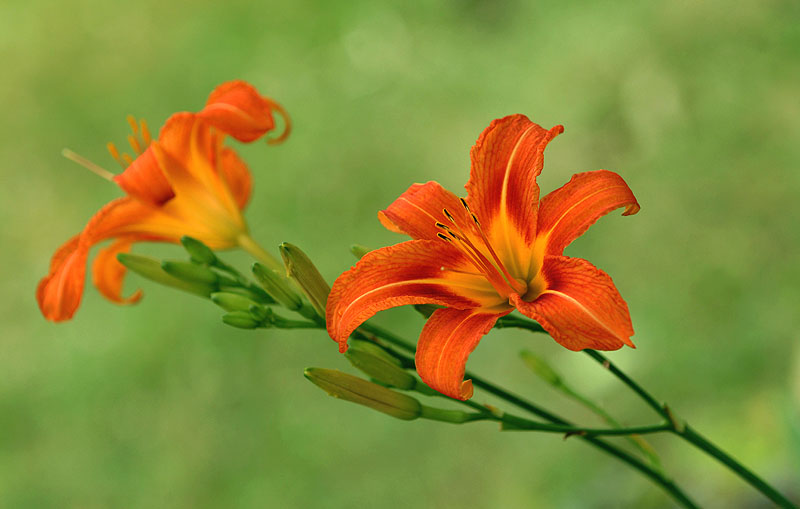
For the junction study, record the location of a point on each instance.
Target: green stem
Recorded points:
(681, 429)
(247, 243)
(657, 477)
(638, 389)
(694, 438)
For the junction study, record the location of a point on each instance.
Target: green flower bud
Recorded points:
(198, 251)
(357, 390)
(150, 268)
(232, 301)
(190, 272)
(277, 287)
(541, 368)
(241, 320)
(359, 251)
(300, 268)
(379, 365)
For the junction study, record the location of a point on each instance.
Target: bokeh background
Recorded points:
(696, 104)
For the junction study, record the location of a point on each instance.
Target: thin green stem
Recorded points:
(657, 477)
(696, 439)
(680, 428)
(638, 389)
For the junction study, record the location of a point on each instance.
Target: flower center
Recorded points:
(490, 266)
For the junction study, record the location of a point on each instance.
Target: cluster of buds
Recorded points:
(248, 305)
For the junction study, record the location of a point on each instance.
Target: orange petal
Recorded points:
(237, 109)
(417, 211)
(506, 160)
(237, 176)
(407, 273)
(59, 293)
(145, 181)
(566, 213)
(580, 306)
(447, 339)
(108, 273)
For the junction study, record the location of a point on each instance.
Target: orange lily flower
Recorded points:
(483, 256)
(184, 183)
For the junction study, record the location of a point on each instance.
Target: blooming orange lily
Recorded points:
(186, 182)
(483, 256)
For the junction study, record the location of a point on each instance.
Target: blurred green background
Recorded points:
(696, 104)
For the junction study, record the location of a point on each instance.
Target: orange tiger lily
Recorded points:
(483, 256)
(186, 182)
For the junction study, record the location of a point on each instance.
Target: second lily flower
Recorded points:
(483, 256)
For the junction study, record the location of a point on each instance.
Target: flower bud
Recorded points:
(232, 301)
(150, 268)
(541, 368)
(357, 390)
(300, 268)
(359, 251)
(190, 272)
(379, 365)
(199, 252)
(241, 320)
(277, 287)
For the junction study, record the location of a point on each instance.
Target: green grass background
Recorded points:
(696, 104)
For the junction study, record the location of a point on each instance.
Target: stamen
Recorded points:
(94, 168)
(464, 203)
(135, 144)
(145, 133)
(128, 160)
(447, 213)
(443, 237)
(516, 285)
(112, 149)
(445, 269)
(132, 122)
(442, 226)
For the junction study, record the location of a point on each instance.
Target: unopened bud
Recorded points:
(359, 251)
(351, 388)
(190, 272)
(379, 365)
(541, 368)
(241, 320)
(232, 301)
(300, 268)
(198, 251)
(277, 287)
(150, 268)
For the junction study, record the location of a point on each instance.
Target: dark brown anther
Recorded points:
(447, 213)
(443, 237)
(464, 203)
(474, 218)
(442, 226)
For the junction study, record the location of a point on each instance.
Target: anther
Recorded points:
(464, 203)
(145, 133)
(450, 217)
(474, 218)
(112, 149)
(442, 226)
(132, 122)
(443, 237)
(134, 144)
